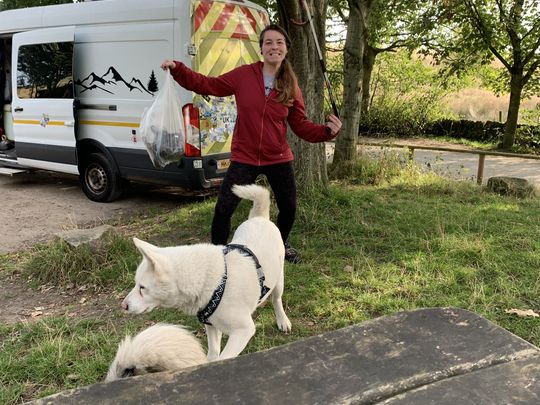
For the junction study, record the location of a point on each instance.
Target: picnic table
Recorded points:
(427, 356)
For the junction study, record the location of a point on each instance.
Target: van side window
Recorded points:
(45, 71)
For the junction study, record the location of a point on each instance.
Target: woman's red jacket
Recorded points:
(261, 125)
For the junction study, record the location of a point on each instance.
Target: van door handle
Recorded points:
(18, 109)
(69, 123)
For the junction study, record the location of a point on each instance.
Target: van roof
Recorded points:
(94, 12)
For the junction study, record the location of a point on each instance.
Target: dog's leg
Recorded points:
(238, 340)
(214, 342)
(283, 322)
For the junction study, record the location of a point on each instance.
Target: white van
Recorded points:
(76, 79)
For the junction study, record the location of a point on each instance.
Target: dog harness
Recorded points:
(211, 307)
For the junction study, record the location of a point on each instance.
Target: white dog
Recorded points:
(161, 347)
(221, 284)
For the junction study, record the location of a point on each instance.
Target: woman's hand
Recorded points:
(334, 123)
(168, 64)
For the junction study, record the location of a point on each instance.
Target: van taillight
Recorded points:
(192, 127)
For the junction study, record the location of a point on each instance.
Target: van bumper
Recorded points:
(193, 173)
(208, 176)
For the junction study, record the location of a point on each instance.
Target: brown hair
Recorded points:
(286, 81)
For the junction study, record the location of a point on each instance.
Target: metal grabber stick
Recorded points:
(321, 59)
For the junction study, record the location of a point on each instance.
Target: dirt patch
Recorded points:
(35, 206)
(22, 303)
(38, 205)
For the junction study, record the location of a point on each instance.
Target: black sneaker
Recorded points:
(291, 254)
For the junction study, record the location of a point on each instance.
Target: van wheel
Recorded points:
(100, 178)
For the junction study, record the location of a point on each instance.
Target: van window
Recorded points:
(45, 70)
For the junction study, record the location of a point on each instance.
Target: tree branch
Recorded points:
(534, 27)
(396, 44)
(531, 71)
(532, 53)
(515, 15)
(477, 18)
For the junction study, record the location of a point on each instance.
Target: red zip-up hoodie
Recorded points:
(260, 134)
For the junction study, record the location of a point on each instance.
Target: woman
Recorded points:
(267, 97)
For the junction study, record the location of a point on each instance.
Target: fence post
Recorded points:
(480, 173)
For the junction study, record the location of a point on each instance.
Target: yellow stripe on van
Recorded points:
(100, 123)
(37, 122)
(111, 123)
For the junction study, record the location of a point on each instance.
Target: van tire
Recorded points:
(100, 178)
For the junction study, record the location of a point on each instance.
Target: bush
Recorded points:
(527, 139)
(406, 95)
(489, 131)
(366, 170)
(403, 120)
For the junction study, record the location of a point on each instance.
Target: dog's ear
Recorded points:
(141, 244)
(149, 251)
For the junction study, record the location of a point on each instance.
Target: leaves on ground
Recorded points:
(520, 312)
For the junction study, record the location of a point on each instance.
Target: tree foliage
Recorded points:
(407, 96)
(393, 25)
(479, 31)
(12, 4)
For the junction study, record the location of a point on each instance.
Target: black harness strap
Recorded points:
(211, 307)
(260, 274)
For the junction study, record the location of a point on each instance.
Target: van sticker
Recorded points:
(108, 81)
(44, 120)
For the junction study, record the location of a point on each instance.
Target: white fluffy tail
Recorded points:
(161, 347)
(260, 197)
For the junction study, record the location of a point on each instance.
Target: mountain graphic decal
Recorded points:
(109, 81)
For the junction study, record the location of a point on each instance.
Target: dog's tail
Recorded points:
(161, 347)
(260, 197)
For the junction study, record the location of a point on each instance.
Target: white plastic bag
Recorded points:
(162, 126)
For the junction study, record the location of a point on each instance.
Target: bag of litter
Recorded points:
(162, 126)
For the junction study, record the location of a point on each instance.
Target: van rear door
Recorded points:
(43, 103)
(226, 35)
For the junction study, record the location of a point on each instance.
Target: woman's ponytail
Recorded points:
(286, 83)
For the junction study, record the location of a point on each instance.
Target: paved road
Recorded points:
(462, 166)
(465, 165)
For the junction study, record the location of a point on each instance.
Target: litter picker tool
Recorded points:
(321, 59)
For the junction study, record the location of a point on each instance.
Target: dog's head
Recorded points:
(153, 285)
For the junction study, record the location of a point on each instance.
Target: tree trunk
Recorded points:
(516, 87)
(310, 159)
(345, 151)
(368, 63)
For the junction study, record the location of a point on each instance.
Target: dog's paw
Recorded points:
(212, 358)
(284, 325)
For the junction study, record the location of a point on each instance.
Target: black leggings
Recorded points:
(281, 179)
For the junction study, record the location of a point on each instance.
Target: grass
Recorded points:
(467, 142)
(411, 241)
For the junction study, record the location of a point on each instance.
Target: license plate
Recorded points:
(223, 164)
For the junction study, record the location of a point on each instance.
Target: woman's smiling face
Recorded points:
(274, 48)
